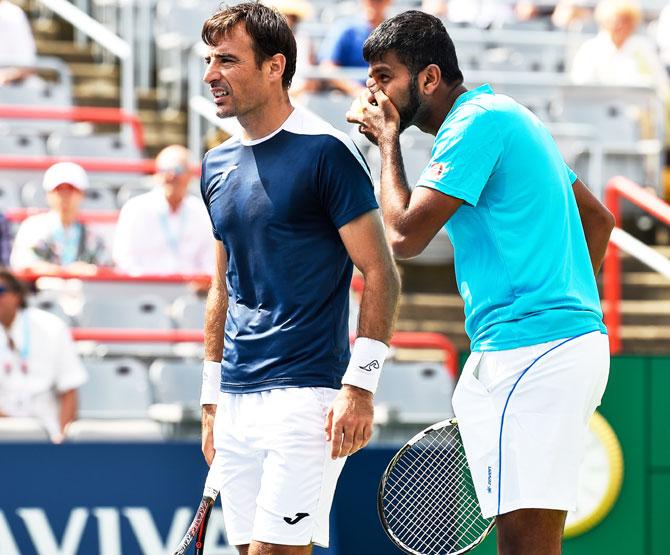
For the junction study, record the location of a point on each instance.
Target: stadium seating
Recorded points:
(176, 385)
(116, 388)
(97, 146)
(22, 145)
(9, 195)
(144, 311)
(411, 396)
(132, 430)
(188, 312)
(22, 429)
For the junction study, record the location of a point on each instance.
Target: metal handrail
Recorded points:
(617, 188)
(119, 47)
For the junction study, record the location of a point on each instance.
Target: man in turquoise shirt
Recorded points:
(528, 239)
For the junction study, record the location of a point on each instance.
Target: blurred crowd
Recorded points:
(167, 231)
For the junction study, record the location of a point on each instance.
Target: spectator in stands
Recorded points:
(573, 15)
(165, 231)
(40, 369)
(296, 11)
(343, 46)
(617, 56)
(662, 33)
(476, 13)
(17, 47)
(56, 241)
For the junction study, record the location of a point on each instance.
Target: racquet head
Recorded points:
(426, 499)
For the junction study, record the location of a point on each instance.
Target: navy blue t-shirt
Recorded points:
(277, 204)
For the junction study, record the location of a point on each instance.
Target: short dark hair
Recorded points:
(14, 285)
(418, 39)
(269, 32)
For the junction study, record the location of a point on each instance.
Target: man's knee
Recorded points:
(262, 548)
(530, 531)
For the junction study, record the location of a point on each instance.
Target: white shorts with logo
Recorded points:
(278, 478)
(523, 416)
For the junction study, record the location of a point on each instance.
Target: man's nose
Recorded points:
(210, 74)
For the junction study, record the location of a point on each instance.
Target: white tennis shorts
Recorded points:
(277, 475)
(523, 416)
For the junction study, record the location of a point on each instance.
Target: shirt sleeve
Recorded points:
(332, 49)
(123, 251)
(344, 185)
(572, 176)
(23, 256)
(205, 196)
(464, 156)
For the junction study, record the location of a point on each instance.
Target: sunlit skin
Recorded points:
(620, 27)
(65, 199)
(425, 105)
(173, 172)
(244, 90)
(9, 305)
(375, 10)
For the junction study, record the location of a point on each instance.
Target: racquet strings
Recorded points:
(429, 501)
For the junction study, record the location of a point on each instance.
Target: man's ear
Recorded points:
(276, 66)
(429, 79)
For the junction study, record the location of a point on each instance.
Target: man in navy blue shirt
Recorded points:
(343, 46)
(291, 205)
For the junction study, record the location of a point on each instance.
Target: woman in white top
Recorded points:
(617, 56)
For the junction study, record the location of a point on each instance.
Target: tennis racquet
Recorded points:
(426, 499)
(198, 528)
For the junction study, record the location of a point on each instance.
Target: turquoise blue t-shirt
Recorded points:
(522, 263)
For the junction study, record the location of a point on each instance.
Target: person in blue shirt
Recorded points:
(343, 45)
(528, 239)
(292, 210)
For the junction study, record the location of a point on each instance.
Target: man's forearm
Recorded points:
(215, 322)
(395, 192)
(597, 239)
(68, 408)
(379, 303)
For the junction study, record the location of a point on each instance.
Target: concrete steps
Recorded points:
(97, 84)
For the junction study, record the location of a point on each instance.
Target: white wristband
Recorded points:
(211, 382)
(365, 365)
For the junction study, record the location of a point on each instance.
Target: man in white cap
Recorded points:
(55, 240)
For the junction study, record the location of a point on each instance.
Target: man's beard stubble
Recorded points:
(409, 112)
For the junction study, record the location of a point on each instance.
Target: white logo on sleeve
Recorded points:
(225, 173)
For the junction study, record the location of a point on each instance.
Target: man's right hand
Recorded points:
(208, 414)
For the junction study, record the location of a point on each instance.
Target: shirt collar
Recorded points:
(467, 95)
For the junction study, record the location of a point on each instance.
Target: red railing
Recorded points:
(78, 113)
(617, 188)
(401, 339)
(87, 216)
(109, 165)
(111, 275)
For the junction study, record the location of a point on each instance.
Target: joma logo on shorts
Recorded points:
(489, 478)
(298, 518)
